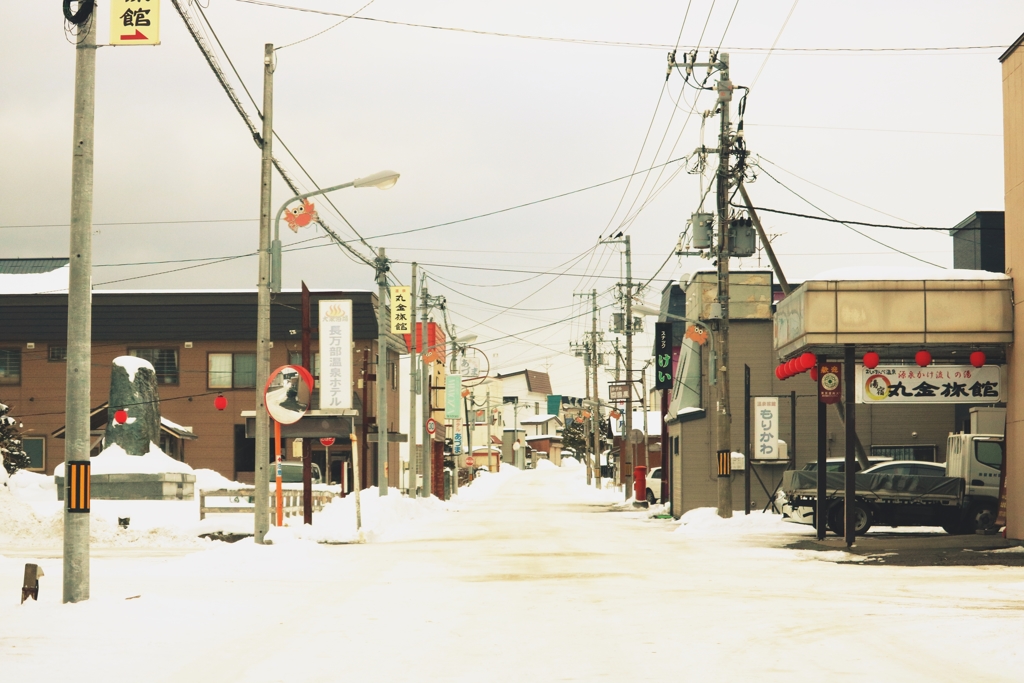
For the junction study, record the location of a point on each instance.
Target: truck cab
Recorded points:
(978, 460)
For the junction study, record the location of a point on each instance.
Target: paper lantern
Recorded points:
(778, 372)
(807, 361)
(220, 403)
(978, 359)
(793, 366)
(923, 358)
(871, 360)
(814, 373)
(121, 416)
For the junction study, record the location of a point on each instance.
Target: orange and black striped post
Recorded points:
(76, 482)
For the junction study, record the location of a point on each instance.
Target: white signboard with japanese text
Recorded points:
(335, 355)
(766, 428)
(400, 306)
(893, 384)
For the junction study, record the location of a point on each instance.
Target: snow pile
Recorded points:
(35, 283)
(484, 486)
(133, 364)
(114, 460)
(210, 480)
(1012, 549)
(705, 522)
(544, 464)
(571, 463)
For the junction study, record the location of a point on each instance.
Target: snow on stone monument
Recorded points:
(133, 389)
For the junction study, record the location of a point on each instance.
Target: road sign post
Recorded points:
(287, 397)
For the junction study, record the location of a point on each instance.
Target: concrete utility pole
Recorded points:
(414, 387)
(382, 373)
(426, 377)
(487, 416)
(79, 358)
(596, 415)
(586, 373)
(262, 479)
(627, 479)
(724, 249)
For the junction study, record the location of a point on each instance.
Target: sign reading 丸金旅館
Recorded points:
(400, 307)
(830, 382)
(134, 22)
(335, 355)
(663, 355)
(932, 384)
(452, 397)
(766, 425)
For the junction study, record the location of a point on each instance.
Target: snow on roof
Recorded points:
(537, 419)
(875, 273)
(541, 437)
(132, 364)
(687, 411)
(52, 282)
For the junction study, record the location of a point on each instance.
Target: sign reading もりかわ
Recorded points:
(766, 422)
(933, 384)
(335, 355)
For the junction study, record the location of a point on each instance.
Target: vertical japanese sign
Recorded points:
(766, 428)
(335, 355)
(452, 397)
(400, 310)
(554, 404)
(830, 383)
(457, 442)
(134, 22)
(662, 355)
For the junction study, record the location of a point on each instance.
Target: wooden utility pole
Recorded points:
(596, 415)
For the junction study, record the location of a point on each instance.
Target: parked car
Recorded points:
(291, 473)
(918, 468)
(805, 515)
(654, 486)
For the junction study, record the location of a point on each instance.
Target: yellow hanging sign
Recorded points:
(134, 22)
(401, 303)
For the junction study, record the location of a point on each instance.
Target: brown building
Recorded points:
(202, 344)
(1013, 179)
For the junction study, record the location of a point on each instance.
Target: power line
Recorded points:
(329, 28)
(65, 225)
(836, 220)
(875, 130)
(774, 43)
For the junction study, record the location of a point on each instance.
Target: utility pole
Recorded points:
(262, 480)
(627, 443)
(487, 416)
(414, 387)
(382, 373)
(724, 250)
(79, 360)
(596, 415)
(586, 371)
(426, 377)
(618, 361)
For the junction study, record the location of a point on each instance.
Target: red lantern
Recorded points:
(778, 372)
(814, 373)
(923, 358)
(807, 361)
(871, 360)
(794, 367)
(220, 403)
(121, 416)
(978, 359)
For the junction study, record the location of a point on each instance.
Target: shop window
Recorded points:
(10, 366)
(164, 361)
(35, 449)
(57, 354)
(231, 370)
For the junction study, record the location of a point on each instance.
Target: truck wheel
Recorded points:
(981, 516)
(834, 519)
(651, 500)
(861, 515)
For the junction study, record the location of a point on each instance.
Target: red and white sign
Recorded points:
(327, 441)
(431, 426)
(469, 461)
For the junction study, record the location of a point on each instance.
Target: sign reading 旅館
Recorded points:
(932, 384)
(766, 424)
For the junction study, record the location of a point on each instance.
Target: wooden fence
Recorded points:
(245, 497)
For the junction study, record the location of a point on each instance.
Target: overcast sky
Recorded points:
(477, 122)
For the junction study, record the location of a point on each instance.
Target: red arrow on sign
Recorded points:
(138, 36)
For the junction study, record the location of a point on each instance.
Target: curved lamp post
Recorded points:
(382, 180)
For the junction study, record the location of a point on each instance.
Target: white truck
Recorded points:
(962, 502)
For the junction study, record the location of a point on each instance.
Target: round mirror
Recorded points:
(288, 393)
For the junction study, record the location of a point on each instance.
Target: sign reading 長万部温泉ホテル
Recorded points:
(932, 384)
(766, 428)
(400, 307)
(134, 22)
(335, 355)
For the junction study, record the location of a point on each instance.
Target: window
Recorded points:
(164, 361)
(989, 453)
(295, 358)
(35, 449)
(10, 366)
(231, 370)
(57, 354)
(926, 453)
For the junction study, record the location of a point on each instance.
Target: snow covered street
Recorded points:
(533, 577)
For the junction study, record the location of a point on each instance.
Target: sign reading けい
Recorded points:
(933, 384)
(766, 426)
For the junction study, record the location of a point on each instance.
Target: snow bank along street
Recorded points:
(524, 576)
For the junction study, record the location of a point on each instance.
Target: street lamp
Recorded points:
(382, 180)
(643, 309)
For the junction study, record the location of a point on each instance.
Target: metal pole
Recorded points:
(666, 452)
(822, 448)
(627, 474)
(262, 480)
(792, 431)
(426, 377)
(355, 470)
(643, 403)
(382, 375)
(414, 387)
(596, 415)
(307, 443)
(746, 439)
(79, 359)
(724, 249)
(487, 416)
(850, 390)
